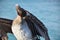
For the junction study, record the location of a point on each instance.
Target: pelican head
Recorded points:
(21, 12)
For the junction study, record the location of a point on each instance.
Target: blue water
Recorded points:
(48, 11)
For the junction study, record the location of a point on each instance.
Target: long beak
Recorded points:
(18, 9)
(21, 12)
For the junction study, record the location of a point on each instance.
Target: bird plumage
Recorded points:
(34, 24)
(20, 29)
(5, 27)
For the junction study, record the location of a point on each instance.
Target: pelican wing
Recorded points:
(5, 24)
(39, 26)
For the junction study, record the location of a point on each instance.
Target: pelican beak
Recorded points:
(20, 11)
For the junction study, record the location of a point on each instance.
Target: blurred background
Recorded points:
(48, 11)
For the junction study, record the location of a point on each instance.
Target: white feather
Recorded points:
(21, 31)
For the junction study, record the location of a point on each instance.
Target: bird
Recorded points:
(34, 24)
(26, 26)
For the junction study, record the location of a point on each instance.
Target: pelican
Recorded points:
(26, 26)
(35, 26)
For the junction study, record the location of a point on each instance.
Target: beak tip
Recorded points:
(17, 5)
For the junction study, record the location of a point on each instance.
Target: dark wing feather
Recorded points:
(5, 24)
(38, 22)
(40, 27)
(31, 26)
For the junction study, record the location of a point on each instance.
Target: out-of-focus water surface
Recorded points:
(48, 11)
